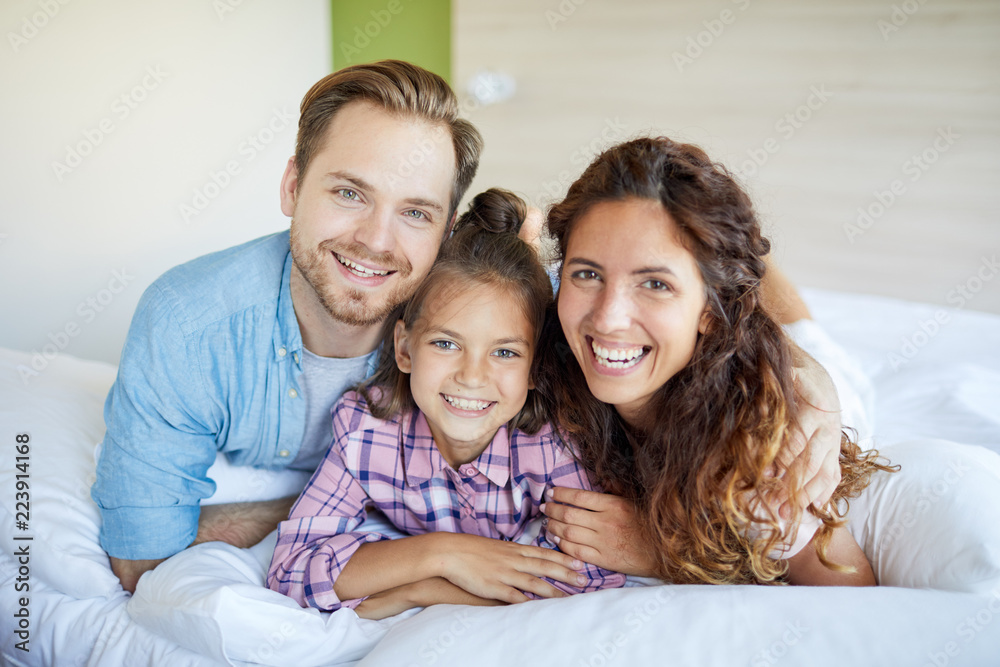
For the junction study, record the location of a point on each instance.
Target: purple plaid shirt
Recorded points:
(395, 466)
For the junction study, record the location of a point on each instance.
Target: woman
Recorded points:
(679, 393)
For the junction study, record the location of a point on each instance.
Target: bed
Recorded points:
(920, 382)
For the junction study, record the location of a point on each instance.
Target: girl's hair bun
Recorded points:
(496, 210)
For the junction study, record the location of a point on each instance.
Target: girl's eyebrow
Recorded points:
(453, 334)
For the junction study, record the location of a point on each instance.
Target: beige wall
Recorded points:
(155, 99)
(871, 90)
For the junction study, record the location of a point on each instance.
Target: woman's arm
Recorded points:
(805, 568)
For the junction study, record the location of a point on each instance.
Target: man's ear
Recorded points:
(289, 185)
(401, 344)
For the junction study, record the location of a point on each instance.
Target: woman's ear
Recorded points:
(401, 342)
(705, 321)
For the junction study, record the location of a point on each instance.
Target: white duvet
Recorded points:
(932, 532)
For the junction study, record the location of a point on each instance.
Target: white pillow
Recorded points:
(62, 410)
(936, 522)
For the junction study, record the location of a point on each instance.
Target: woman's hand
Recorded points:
(813, 451)
(498, 570)
(600, 529)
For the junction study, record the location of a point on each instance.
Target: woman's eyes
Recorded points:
(444, 345)
(657, 285)
(584, 274)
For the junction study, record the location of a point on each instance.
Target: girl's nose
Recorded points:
(473, 372)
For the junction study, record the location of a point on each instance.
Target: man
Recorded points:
(245, 350)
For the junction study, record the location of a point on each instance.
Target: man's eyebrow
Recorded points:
(362, 184)
(359, 182)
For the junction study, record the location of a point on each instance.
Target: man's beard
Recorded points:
(352, 306)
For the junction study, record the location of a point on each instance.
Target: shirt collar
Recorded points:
(287, 340)
(422, 460)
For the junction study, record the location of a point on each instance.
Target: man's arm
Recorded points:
(240, 524)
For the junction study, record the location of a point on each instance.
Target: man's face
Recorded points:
(369, 214)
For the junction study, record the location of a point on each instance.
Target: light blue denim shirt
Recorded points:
(212, 363)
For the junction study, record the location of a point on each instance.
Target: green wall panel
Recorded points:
(415, 30)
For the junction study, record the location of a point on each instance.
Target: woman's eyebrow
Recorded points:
(654, 269)
(585, 262)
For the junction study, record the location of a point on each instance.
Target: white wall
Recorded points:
(590, 70)
(198, 82)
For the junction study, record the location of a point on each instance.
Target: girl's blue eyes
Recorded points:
(503, 353)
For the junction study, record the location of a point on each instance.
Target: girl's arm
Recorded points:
(418, 594)
(483, 567)
(805, 568)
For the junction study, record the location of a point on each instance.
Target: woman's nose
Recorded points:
(611, 311)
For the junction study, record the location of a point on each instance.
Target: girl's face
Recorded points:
(469, 359)
(631, 301)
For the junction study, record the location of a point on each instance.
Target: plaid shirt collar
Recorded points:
(422, 460)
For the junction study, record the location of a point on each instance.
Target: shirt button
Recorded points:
(282, 352)
(293, 393)
(468, 470)
(284, 453)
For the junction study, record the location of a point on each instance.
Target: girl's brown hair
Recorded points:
(484, 250)
(703, 452)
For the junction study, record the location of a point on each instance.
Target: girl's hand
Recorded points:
(498, 570)
(600, 529)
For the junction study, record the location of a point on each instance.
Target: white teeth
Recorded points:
(359, 270)
(618, 358)
(467, 404)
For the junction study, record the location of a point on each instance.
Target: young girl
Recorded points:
(449, 440)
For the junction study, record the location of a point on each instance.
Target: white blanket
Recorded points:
(936, 525)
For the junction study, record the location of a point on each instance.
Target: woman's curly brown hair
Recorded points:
(704, 451)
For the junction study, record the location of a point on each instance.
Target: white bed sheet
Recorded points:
(950, 388)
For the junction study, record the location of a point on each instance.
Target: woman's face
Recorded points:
(631, 301)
